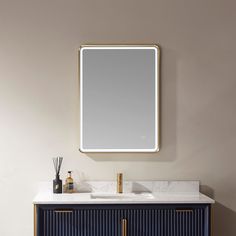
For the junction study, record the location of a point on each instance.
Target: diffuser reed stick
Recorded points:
(57, 164)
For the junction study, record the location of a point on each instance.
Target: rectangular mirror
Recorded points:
(119, 98)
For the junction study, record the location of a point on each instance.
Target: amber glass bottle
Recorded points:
(69, 183)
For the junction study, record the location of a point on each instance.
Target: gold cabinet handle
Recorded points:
(124, 227)
(63, 211)
(184, 211)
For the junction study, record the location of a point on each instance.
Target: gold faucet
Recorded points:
(119, 183)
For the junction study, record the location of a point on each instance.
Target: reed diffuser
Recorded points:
(57, 182)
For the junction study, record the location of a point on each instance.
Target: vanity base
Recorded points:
(122, 220)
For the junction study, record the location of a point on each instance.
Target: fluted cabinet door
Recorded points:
(82, 221)
(167, 222)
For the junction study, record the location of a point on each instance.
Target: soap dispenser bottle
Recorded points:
(69, 183)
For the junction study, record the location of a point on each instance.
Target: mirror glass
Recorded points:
(119, 98)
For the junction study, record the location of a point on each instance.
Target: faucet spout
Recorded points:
(119, 183)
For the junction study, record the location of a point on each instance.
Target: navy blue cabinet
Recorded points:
(123, 220)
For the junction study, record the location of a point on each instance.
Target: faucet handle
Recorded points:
(119, 183)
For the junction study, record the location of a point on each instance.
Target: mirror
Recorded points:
(119, 98)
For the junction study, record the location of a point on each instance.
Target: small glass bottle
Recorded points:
(69, 183)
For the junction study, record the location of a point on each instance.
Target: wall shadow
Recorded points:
(205, 189)
(168, 115)
(224, 220)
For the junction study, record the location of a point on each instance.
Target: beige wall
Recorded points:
(39, 96)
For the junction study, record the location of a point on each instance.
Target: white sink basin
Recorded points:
(121, 195)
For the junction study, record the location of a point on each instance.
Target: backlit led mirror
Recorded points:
(119, 98)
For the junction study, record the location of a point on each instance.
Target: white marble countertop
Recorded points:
(85, 198)
(161, 192)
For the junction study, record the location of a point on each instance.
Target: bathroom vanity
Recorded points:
(147, 208)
